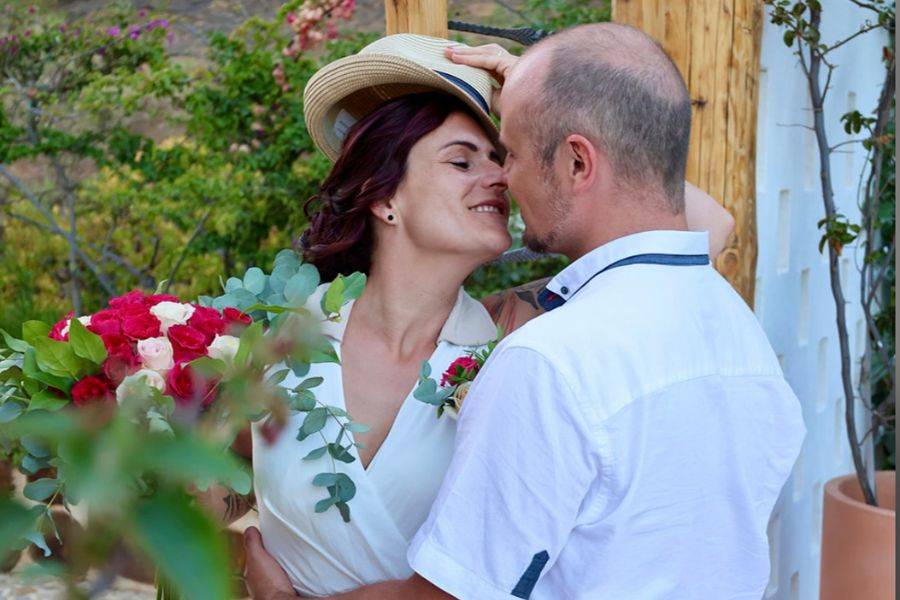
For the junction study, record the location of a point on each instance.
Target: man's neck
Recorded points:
(600, 232)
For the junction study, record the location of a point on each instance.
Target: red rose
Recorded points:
(105, 322)
(140, 325)
(187, 387)
(91, 389)
(157, 298)
(208, 321)
(187, 342)
(131, 298)
(121, 359)
(463, 367)
(236, 317)
(56, 330)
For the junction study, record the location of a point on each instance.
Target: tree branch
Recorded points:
(184, 251)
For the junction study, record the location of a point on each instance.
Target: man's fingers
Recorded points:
(252, 539)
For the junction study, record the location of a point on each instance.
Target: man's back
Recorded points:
(629, 444)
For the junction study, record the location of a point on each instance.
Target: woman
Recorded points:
(416, 200)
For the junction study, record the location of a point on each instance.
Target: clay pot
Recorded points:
(858, 543)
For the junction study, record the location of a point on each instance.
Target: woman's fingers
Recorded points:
(491, 57)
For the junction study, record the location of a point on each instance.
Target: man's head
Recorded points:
(596, 120)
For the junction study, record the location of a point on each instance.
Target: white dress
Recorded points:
(322, 554)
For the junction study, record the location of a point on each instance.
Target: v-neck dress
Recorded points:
(322, 554)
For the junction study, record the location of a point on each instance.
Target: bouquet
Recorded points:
(448, 395)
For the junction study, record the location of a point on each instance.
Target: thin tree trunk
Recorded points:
(837, 292)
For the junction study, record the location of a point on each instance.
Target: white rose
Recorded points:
(156, 353)
(223, 347)
(85, 320)
(132, 383)
(171, 313)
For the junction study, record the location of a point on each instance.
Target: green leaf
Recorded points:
(277, 377)
(12, 343)
(325, 479)
(317, 453)
(333, 299)
(185, 545)
(15, 522)
(313, 423)
(56, 358)
(340, 453)
(345, 511)
(209, 367)
(309, 383)
(323, 505)
(32, 330)
(255, 280)
(354, 284)
(86, 344)
(41, 489)
(46, 400)
(301, 285)
(9, 411)
(249, 338)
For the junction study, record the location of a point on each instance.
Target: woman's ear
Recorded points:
(384, 212)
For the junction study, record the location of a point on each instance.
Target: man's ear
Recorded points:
(581, 159)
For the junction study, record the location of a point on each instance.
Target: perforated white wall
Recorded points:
(793, 296)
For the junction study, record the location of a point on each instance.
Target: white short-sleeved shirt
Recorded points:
(630, 444)
(321, 554)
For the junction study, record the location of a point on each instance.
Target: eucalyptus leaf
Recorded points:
(317, 453)
(41, 489)
(38, 540)
(33, 464)
(323, 505)
(303, 401)
(344, 508)
(15, 523)
(313, 423)
(310, 383)
(357, 427)
(298, 368)
(233, 284)
(9, 411)
(325, 479)
(34, 446)
(346, 489)
(301, 285)
(354, 284)
(340, 453)
(425, 371)
(255, 280)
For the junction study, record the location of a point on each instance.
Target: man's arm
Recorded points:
(266, 580)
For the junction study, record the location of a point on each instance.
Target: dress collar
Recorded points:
(576, 275)
(469, 323)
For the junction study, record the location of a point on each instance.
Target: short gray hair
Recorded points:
(635, 108)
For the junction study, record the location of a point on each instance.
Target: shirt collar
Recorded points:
(469, 323)
(572, 278)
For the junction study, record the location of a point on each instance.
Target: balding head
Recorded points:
(616, 86)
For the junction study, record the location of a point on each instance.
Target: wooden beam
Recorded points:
(426, 17)
(716, 45)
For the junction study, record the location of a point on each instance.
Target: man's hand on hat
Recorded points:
(493, 58)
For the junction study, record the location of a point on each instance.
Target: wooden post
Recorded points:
(716, 45)
(427, 17)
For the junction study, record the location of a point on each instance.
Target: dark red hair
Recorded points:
(372, 164)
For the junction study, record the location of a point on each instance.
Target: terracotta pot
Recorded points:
(858, 543)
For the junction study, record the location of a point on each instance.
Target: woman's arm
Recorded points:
(703, 213)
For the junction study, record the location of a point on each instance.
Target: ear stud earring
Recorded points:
(390, 217)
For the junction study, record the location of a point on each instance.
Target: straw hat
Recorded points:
(348, 89)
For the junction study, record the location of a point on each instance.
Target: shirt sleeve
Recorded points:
(522, 466)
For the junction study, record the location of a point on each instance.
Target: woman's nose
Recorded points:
(495, 178)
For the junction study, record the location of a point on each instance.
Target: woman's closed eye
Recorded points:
(461, 164)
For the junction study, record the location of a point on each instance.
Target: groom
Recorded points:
(631, 442)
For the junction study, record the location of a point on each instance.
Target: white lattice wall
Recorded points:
(793, 297)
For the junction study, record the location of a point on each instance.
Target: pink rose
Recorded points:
(463, 368)
(91, 389)
(156, 353)
(131, 298)
(187, 387)
(120, 364)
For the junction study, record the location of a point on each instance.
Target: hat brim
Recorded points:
(361, 83)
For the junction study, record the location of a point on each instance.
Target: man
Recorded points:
(632, 442)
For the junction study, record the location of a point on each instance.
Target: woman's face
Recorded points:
(453, 196)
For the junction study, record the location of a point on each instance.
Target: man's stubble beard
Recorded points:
(559, 208)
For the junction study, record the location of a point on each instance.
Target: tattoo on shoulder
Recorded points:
(235, 506)
(529, 292)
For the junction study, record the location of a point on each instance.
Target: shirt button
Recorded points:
(564, 290)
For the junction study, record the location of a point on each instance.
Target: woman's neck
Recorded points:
(406, 302)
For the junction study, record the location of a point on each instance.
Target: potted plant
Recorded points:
(859, 513)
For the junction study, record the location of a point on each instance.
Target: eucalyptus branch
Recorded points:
(847, 143)
(867, 6)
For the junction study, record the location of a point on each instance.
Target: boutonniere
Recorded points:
(448, 395)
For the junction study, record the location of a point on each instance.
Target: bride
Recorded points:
(417, 200)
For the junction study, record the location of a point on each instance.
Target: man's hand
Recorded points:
(265, 578)
(493, 58)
